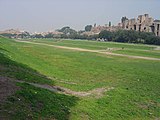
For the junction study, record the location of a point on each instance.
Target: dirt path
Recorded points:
(96, 92)
(8, 87)
(94, 51)
(157, 48)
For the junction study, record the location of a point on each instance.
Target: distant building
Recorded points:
(15, 33)
(143, 23)
(155, 27)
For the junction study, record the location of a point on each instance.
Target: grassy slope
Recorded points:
(34, 103)
(136, 82)
(30, 102)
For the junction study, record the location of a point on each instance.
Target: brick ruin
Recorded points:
(143, 23)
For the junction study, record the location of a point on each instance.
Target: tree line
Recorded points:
(125, 36)
(130, 36)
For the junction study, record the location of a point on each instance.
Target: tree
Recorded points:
(49, 35)
(110, 23)
(63, 29)
(106, 35)
(130, 36)
(88, 28)
(38, 36)
(67, 31)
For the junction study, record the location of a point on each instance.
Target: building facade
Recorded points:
(143, 23)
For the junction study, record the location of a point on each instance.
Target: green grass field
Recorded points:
(129, 49)
(136, 82)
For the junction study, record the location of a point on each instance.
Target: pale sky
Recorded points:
(46, 15)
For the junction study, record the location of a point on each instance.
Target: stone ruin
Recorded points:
(143, 23)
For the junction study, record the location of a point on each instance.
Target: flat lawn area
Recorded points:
(92, 44)
(136, 82)
(128, 49)
(134, 52)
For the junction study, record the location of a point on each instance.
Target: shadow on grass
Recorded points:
(30, 102)
(20, 71)
(35, 103)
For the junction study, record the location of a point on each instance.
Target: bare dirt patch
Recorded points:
(7, 88)
(98, 92)
(110, 49)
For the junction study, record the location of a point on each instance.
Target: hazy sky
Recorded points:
(45, 15)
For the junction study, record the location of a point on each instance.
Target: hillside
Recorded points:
(43, 81)
(24, 101)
